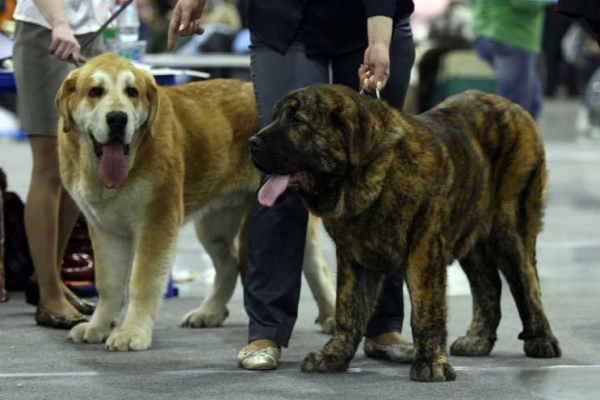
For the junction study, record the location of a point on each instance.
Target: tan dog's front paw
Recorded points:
(437, 371)
(88, 333)
(321, 361)
(204, 317)
(125, 339)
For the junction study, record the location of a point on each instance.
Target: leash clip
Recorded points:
(377, 94)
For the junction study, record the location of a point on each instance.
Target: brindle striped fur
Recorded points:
(407, 195)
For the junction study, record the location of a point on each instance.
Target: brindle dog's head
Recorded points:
(107, 105)
(323, 140)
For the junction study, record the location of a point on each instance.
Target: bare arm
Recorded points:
(375, 70)
(64, 44)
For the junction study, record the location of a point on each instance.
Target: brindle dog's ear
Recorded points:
(357, 130)
(66, 91)
(152, 97)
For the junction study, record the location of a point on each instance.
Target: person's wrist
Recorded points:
(60, 24)
(379, 30)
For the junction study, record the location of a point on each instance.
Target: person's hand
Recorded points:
(185, 20)
(375, 71)
(64, 44)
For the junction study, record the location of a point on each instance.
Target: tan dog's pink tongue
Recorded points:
(272, 189)
(113, 167)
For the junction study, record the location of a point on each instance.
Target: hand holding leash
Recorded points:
(81, 59)
(64, 45)
(364, 71)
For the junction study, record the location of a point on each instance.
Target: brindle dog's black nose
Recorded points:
(255, 142)
(116, 120)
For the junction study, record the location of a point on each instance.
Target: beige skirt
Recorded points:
(39, 74)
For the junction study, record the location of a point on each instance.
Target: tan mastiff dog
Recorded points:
(140, 161)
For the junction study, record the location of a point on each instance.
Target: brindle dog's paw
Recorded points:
(320, 361)
(546, 347)
(424, 371)
(471, 346)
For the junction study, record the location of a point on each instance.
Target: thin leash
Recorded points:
(99, 31)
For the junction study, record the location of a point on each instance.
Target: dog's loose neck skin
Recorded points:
(368, 171)
(358, 194)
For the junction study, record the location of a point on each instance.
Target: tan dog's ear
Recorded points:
(67, 89)
(152, 96)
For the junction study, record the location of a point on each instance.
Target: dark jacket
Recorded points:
(328, 27)
(588, 9)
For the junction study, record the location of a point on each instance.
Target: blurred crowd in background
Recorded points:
(567, 61)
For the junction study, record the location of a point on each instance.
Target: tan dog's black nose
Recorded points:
(255, 142)
(116, 120)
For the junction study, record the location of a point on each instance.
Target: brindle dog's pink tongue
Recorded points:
(272, 189)
(113, 167)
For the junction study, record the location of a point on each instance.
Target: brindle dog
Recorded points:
(403, 195)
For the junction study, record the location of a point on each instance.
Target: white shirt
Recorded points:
(84, 16)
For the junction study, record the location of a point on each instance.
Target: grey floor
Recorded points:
(37, 363)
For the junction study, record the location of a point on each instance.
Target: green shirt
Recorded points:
(517, 23)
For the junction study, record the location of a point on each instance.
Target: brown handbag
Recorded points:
(78, 262)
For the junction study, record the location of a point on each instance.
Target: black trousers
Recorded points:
(278, 233)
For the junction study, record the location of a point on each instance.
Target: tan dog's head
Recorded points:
(109, 102)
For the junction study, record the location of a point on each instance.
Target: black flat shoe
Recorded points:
(45, 318)
(32, 296)
(83, 306)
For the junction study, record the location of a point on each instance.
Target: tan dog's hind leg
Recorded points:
(315, 271)
(113, 256)
(217, 231)
(151, 267)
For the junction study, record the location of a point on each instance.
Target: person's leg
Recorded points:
(386, 323)
(277, 234)
(483, 47)
(536, 99)
(42, 219)
(516, 76)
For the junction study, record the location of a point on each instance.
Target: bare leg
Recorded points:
(42, 220)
